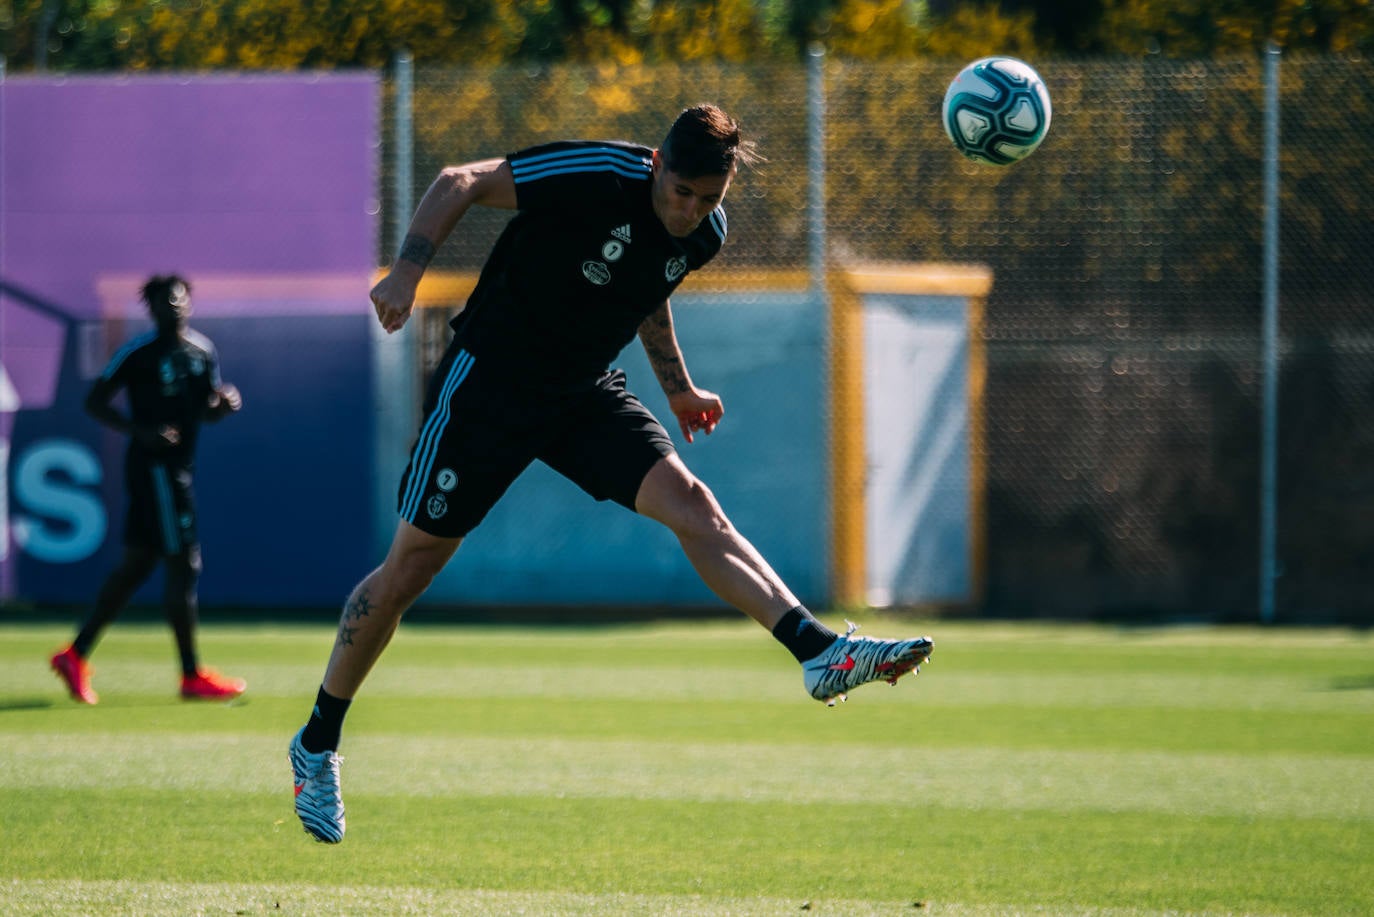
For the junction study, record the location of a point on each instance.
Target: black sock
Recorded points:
(326, 723)
(802, 634)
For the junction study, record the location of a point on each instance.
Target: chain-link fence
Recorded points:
(1123, 329)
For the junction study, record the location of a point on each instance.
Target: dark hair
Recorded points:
(159, 288)
(704, 140)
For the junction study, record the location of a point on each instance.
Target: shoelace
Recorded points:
(325, 780)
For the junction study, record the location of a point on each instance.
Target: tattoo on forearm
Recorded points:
(417, 250)
(656, 333)
(357, 608)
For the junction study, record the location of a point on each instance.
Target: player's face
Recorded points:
(682, 203)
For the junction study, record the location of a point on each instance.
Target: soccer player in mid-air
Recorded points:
(171, 377)
(604, 231)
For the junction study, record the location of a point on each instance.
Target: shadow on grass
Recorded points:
(16, 704)
(24, 703)
(1353, 683)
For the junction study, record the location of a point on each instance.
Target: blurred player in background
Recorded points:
(603, 232)
(171, 377)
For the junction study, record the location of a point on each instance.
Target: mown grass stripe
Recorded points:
(177, 899)
(726, 850)
(969, 778)
(680, 769)
(680, 680)
(875, 716)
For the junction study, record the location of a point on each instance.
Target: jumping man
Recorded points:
(604, 231)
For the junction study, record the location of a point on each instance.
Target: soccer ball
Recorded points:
(997, 110)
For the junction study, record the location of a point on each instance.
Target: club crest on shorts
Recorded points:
(596, 272)
(437, 506)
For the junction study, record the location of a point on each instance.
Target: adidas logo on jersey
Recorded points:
(622, 233)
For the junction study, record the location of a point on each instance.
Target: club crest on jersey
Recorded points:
(437, 506)
(675, 268)
(596, 272)
(612, 250)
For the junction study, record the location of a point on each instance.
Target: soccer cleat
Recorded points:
(73, 670)
(208, 684)
(852, 661)
(319, 802)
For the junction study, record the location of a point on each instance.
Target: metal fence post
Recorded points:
(815, 156)
(393, 356)
(403, 150)
(1270, 342)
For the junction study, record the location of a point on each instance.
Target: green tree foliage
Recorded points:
(1207, 28)
(902, 30)
(276, 34)
(77, 35)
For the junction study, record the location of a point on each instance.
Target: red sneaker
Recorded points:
(207, 684)
(73, 670)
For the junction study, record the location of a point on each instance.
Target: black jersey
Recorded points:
(168, 381)
(580, 266)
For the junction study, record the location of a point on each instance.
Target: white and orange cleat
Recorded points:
(852, 661)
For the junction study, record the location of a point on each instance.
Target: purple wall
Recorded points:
(261, 190)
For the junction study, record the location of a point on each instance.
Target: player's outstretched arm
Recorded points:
(487, 182)
(695, 409)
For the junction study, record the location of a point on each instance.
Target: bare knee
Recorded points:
(680, 500)
(703, 515)
(410, 567)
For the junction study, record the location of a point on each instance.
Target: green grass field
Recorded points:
(680, 769)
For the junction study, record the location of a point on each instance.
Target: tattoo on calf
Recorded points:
(417, 250)
(357, 607)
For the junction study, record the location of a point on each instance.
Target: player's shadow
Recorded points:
(24, 703)
(10, 704)
(1353, 683)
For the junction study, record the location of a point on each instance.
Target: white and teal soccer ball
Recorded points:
(997, 110)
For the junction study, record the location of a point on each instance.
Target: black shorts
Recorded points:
(162, 507)
(481, 431)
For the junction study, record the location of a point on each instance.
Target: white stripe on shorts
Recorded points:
(422, 459)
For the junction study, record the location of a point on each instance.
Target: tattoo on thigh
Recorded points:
(358, 607)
